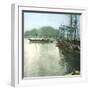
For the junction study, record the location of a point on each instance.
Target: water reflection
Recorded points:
(45, 59)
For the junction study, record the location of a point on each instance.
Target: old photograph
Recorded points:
(51, 44)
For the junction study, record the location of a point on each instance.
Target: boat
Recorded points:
(40, 40)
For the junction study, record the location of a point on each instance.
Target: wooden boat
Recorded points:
(40, 40)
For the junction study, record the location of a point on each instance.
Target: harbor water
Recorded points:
(45, 59)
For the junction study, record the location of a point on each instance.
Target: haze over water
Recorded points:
(43, 60)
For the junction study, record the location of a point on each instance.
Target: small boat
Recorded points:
(40, 40)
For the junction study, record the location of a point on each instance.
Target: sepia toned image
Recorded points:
(51, 44)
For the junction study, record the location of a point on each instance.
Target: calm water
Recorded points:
(47, 60)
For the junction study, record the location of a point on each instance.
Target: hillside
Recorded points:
(45, 32)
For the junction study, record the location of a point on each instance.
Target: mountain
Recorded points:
(45, 32)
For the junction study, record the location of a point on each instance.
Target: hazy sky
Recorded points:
(37, 20)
